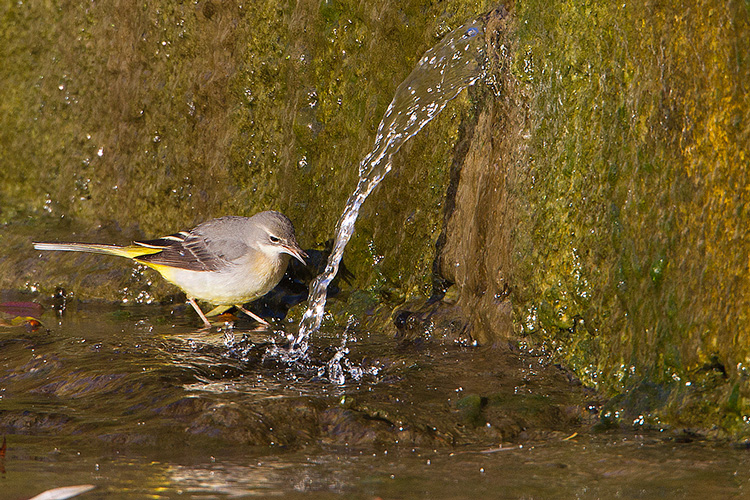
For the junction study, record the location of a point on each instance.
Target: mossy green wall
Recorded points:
(639, 149)
(615, 203)
(122, 120)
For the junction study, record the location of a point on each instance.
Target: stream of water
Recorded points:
(455, 63)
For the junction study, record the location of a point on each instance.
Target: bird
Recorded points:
(227, 261)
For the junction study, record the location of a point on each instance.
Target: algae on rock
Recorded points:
(614, 204)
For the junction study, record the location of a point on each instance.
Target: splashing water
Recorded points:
(443, 71)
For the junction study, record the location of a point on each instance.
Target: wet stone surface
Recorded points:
(143, 380)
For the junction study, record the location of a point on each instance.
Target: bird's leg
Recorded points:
(200, 313)
(252, 315)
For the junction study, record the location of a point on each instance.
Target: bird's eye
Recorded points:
(274, 239)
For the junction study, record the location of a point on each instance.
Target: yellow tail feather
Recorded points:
(130, 252)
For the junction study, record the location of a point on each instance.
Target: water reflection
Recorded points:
(167, 411)
(614, 466)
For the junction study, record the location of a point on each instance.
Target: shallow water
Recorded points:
(139, 403)
(612, 467)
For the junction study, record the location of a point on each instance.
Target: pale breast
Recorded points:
(243, 281)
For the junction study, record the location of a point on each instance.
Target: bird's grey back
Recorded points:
(227, 237)
(210, 246)
(216, 243)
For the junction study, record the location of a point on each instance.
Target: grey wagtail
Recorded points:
(226, 261)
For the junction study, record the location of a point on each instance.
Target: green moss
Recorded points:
(154, 117)
(636, 213)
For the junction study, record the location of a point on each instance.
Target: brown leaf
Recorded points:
(31, 324)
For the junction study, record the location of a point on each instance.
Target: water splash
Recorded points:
(443, 71)
(274, 351)
(340, 367)
(456, 62)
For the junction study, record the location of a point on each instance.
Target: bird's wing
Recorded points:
(194, 250)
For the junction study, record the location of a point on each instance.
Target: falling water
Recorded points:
(443, 71)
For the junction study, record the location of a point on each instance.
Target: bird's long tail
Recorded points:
(131, 252)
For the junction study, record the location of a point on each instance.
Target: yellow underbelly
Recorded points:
(233, 285)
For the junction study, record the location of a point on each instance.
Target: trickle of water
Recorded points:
(442, 72)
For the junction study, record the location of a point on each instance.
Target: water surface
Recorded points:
(138, 402)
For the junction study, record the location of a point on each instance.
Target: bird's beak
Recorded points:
(296, 252)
